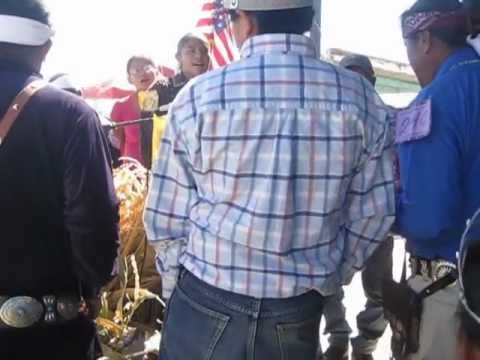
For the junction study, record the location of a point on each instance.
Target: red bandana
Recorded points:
(455, 20)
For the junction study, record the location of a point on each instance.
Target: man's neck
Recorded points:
(18, 65)
(440, 59)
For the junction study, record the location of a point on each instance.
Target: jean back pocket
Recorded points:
(192, 331)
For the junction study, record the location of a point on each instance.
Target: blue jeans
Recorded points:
(206, 323)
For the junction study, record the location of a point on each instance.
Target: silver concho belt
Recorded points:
(24, 311)
(431, 270)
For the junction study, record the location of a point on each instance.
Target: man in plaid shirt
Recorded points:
(273, 186)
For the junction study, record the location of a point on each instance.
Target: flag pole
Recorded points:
(316, 32)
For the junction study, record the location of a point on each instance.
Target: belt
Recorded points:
(21, 312)
(431, 270)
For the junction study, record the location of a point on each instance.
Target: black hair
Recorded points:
(138, 57)
(30, 9)
(468, 326)
(452, 38)
(185, 39)
(288, 21)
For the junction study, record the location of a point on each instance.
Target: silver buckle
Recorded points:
(432, 270)
(441, 268)
(21, 312)
(60, 308)
(68, 307)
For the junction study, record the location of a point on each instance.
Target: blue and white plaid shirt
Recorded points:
(274, 176)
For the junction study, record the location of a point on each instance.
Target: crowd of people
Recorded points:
(273, 181)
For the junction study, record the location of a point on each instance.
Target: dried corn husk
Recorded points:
(115, 323)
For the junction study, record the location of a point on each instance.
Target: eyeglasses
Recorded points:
(189, 51)
(139, 70)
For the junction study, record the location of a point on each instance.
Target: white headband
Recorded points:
(22, 31)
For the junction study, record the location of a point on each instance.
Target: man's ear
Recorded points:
(247, 25)
(425, 41)
(39, 55)
(252, 27)
(47, 47)
(44, 50)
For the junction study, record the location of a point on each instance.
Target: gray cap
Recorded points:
(360, 61)
(265, 5)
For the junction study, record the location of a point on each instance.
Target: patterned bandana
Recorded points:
(455, 20)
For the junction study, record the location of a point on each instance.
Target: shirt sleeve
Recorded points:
(370, 206)
(172, 194)
(430, 203)
(91, 207)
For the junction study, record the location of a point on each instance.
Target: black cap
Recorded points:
(360, 61)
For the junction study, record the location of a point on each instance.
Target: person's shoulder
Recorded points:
(351, 90)
(62, 104)
(126, 102)
(360, 96)
(198, 86)
(445, 93)
(125, 109)
(64, 100)
(460, 78)
(209, 78)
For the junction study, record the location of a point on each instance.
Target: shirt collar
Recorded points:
(278, 44)
(462, 56)
(475, 43)
(179, 80)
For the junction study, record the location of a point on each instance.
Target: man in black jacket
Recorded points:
(58, 210)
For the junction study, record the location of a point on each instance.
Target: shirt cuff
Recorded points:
(169, 281)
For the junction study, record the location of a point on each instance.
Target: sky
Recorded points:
(94, 38)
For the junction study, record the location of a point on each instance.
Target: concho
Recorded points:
(21, 312)
(68, 308)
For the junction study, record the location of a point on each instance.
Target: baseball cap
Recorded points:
(355, 60)
(470, 239)
(265, 5)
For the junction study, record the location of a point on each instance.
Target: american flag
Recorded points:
(214, 23)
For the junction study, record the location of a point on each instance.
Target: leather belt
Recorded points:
(431, 270)
(24, 311)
